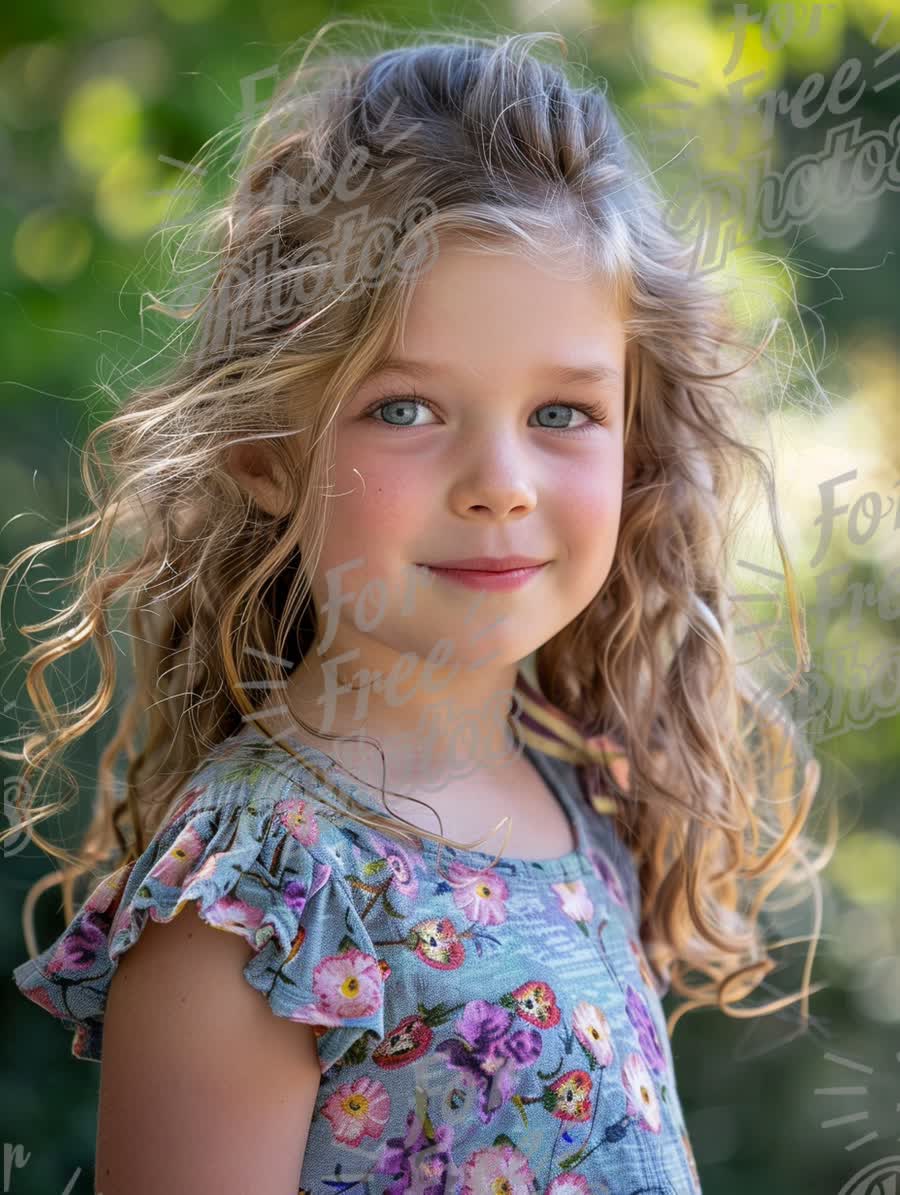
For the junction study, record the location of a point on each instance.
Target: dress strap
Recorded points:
(542, 725)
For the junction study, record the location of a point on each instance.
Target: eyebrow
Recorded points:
(591, 373)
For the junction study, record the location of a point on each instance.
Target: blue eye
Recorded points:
(594, 416)
(407, 404)
(595, 413)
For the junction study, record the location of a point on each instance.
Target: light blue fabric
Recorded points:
(478, 1031)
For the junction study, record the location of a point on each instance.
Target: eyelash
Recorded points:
(594, 411)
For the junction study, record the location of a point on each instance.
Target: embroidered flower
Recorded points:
(78, 949)
(230, 913)
(400, 863)
(186, 802)
(179, 859)
(348, 985)
(575, 901)
(42, 997)
(607, 873)
(498, 1168)
(534, 1002)
(648, 1039)
(572, 1096)
(299, 819)
(437, 944)
(295, 896)
(419, 1161)
(203, 872)
(643, 967)
(591, 1027)
(574, 1184)
(358, 1109)
(107, 892)
(407, 1041)
(490, 1052)
(479, 894)
(640, 1093)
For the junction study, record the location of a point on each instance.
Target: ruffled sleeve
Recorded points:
(258, 863)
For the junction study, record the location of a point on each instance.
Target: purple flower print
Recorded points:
(417, 1162)
(609, 877)
(400, 863)
(486, 1051)
(648, 1039)
(295, 895)
(79, 948)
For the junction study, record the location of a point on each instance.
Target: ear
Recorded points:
(256, 471)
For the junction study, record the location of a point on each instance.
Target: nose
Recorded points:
(495, 480)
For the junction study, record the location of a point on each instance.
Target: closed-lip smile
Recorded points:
(490, 564)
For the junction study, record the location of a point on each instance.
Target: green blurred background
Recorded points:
(101, 100)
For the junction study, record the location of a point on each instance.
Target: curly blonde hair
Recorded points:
(484, 139)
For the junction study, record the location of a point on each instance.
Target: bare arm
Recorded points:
(203, 1087)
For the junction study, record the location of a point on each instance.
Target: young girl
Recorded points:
(435, 501)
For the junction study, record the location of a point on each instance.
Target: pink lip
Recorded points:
(490, 564)
(487, 579)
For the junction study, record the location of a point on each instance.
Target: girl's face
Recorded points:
(482, 449)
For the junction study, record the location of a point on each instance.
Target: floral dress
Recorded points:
(478, 1031)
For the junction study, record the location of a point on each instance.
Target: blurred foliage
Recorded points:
(102, 105)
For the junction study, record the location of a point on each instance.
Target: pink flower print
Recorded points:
(607, 874)
(358, 1109)
(437, 944)
(572, 1096)
(534, 1002)
(230, 913)
(186, 802)
(349, 985)
(640, 1093)
(479, 894)
(108, 890)
(121, 922)
(297, 816)
(575, 902)
(400, 863)
(108, 897)
(203, 871)
(592, 1029)
(320, 1022)
(573, 1184)
(497, 1168)
(41, 997)
(179, 859)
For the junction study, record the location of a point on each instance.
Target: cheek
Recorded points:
(590, 507)
(382, 505)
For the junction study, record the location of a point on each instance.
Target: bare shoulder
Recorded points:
(202, 1086)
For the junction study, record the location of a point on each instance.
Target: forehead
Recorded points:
(475, 315)
(597, 372)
